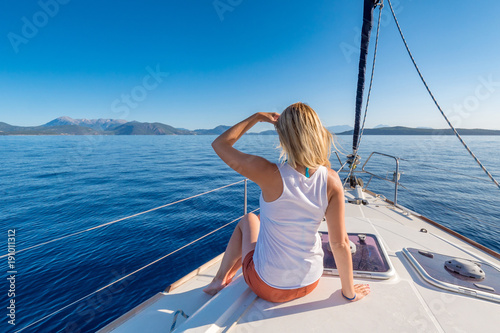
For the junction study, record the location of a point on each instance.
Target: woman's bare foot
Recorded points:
(215, 286)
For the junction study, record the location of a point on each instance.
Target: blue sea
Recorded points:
(53, 186)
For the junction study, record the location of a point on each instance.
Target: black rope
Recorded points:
(435, 102)
(174, 322)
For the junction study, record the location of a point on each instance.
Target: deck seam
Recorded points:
(426, 307)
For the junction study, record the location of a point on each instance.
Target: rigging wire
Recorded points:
(341, 167)
(137, 270)
(123, 218)
(448, 208)
(446, 170)
(437, 104)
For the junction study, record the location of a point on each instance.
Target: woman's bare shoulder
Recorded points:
(272, 184)
(334, 184)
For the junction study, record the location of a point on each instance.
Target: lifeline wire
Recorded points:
(435, 102)
(137, 270)
(446, 170)
(448, 208)
(124, 218)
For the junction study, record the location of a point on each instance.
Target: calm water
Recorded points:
(54, 186)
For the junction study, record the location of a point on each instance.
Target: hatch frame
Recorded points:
(461, 290)
(367, 274)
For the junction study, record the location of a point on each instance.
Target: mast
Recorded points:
(369, 5)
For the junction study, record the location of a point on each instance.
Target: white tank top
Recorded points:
(288, 252)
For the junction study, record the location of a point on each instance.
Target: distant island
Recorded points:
(70, 126)
(400, 130)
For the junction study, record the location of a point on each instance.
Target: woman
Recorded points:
(281, 248)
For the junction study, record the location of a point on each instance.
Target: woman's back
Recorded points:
(280, 253)
(288, 253)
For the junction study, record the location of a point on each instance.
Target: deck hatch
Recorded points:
(436, 270)
(369, 261)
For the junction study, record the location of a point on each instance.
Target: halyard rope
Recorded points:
(137, 270)
(124, 218)
(435, 102)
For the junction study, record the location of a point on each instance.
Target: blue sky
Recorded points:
(185, 64)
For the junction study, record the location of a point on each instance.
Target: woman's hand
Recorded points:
(361, 291)
(268, 117)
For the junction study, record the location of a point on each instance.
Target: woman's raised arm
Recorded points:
(251, 166)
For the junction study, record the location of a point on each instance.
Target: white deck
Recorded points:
(403, 303)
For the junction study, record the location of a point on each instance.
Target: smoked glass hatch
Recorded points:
(369, 258)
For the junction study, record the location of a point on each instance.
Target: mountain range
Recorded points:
(96, 124)
(70, 126)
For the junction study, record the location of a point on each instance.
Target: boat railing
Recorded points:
(396, 174)
(245, 210)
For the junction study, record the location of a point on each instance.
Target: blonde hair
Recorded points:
(303, 139)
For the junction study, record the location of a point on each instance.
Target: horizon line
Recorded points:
(192, 130)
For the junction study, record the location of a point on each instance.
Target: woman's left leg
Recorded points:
(242, 241)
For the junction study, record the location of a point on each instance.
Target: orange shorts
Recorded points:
(267, 292)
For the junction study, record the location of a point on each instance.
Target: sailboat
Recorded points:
(424, 277)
